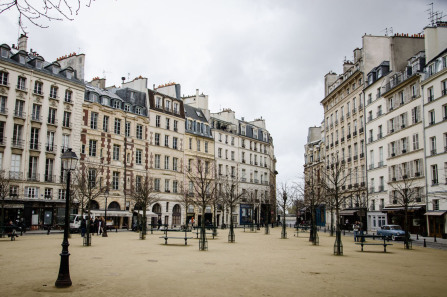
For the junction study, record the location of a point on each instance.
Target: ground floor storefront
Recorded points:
(436, 222)
(415, 218)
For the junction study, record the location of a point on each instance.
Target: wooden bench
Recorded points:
(375, 243)
(175, 237)
(199, 232)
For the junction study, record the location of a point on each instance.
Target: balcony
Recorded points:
(342, 140)
(361, 130)
(34, 146)
(404, 151)
(380, 164)
(244, 179)
(66, 124)
(381, 188)
(342, 118)
(349, 159)
(433, 152)
(432, 123)
(430, 98)
(362, 184)
(4, 111)
(354, 110)
(371, 190)
(379, 136)
(348, 115)
(349, 136)
(15, 175)
(356, 157)
(379, 113)
(50, 178)
(17, 143)
(371, 166)
(336, 142)
(2, 141)
(354, 133)
(256, 181)
(32, 176)
(52, 121)
(434, 182)
(349, 187)
(370, 139)
(19, 114)
(51, 148)
(36, 118)
(370, 119)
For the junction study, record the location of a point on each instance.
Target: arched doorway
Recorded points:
(176, 215)
(157, 210)
(93, 205)
(114, 206)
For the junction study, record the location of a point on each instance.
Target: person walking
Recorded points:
(83, 227)
(99, 231)
(159, 223)
(355, 228)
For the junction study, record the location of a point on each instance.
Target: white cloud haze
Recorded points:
(260, 58)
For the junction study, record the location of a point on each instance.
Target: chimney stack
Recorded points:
(23, 42)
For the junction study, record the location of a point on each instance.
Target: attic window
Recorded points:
(69, 74)
(22, 59)
(127, 107)
(138, 110)
(4, 52)
(132, 95)
(38, 64)
(379, 73)
(198, 113)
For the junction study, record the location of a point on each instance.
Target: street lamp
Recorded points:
(104, 233)
(69, 160)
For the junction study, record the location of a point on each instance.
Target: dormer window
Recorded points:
(132, 95)
(4, 52)
(379, 73)
(69, 74)
(138, 110)
(158, 102)
(38, 64)
(127, 107)
(116, 104)
(168, 105)
(22, 59)
(176, 110)
(106, 101)
(93, 97)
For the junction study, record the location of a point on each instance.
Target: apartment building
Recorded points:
(434, 91)
(39, 103)
(313, 168)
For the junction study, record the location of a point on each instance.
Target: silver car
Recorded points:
(393, 232)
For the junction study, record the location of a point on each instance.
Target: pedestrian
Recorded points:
(96, 225)
(99, 231)
(83, 227)
(159, 223)
(355, 228)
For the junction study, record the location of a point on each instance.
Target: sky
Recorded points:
(260, 58)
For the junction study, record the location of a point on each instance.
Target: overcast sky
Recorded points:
(259, 58)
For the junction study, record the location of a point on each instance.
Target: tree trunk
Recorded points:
(231, 236)
(338, 245)
(407, 245)
(203, 231)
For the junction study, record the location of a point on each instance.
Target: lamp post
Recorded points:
(104, 233)
(69, 160)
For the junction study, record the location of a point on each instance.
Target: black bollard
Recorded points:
(417, 236)
(344, 232)
(425, 244)
(434, 238)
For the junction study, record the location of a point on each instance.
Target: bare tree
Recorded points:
(144, 194)
(405, 193)
(88, 187)
(333, 181)
(285, 197)
(313, 197)
(231, 196)
(4, 193)
(202, 185)
(45, 11)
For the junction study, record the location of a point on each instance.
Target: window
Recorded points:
(61, 194)
(157, 121)
(168, 105)
(66, 120)
(65, 142)
(167, 162)
(415, 141)
(48, 193)
(126, 107)
(2, 104)
(430, 94)
(127, 129)
(433, 145)
(198, 145)
(19, 108)
(157, 161)
(117, 129)
(189, 164)
(105, 124)
(175, 164)
(92, 178)
(115, 180)
(175, 186)
(38, 88)
(138, 180)
(435, 204)
(167, 124)
(92, 148)
(157, 139)
(206, 146)
(434, 174)
(21, 83)
(53, 92)
(190, 143)
(36, 112)
(176, 109)
(219, 152)
(117, 104)
(17, 135)
(68, 95)
(175, 125)
(139, 132)
(166, 140)
(116, 152)
(167, 186)
(3, 78)
(174, 142)
(94, 120)
(138, 154)
(157, 184)
(158, 102)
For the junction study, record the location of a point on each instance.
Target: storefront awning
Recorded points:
(14, 206)
(399, 208)
(148, 213)
(435, 213)
(348, 212)
(111, 213)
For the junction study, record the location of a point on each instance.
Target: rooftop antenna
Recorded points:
(431, 14)
(388, 30)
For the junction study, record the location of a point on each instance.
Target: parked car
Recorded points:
(393, 232)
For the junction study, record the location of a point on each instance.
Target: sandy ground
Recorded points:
(256, 265)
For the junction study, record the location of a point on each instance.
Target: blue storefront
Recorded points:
(320, 212)
(246, 214)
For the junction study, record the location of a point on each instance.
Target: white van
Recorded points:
(75, 221)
